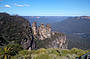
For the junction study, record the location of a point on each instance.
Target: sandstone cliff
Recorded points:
(42, 31)
(45, 38)
(17, 30)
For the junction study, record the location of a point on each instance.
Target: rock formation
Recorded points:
(60, 41)
(42, 31)
(34, 28)
(17, 30)
(47, 38)
(48, 28)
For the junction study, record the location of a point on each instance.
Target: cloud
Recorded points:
(7, 6)
(24, 5)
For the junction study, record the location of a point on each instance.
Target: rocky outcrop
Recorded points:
(59, 41)
(34, 28)
(42, 31)
(48, 39)
(16, 29)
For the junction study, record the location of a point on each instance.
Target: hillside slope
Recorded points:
(73, 25)
(15, 29)
(77, 30)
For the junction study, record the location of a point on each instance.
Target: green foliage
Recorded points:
(24, 52)
(88, 50)
(5, 53)
(14, 48)
(81, 52)
(41, 50)
(42, 56)
(8, 52)
(64, 52)
(53, 51)
(13, 29)
(15, 51)
(74, 51)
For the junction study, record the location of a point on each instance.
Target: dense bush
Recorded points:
(49, 53)
(10, 50)
(42, 56)
(15, 51)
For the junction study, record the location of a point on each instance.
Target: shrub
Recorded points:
(52, 51)
(41, 50)
(10, 50)
(81, 52)
(64, 52)
(88, 50)
(24, 54)
(13, 48)
(43, 56)
(74, 51)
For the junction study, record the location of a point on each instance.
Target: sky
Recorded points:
(46, 7)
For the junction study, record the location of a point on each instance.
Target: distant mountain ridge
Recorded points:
(45, 19)
(77, 29)
(73, 25)
(63, 23)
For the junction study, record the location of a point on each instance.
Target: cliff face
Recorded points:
(60, 40)
(42, 31)
(48, 39)
(15, 29)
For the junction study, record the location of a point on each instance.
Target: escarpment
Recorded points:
(17, 30)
